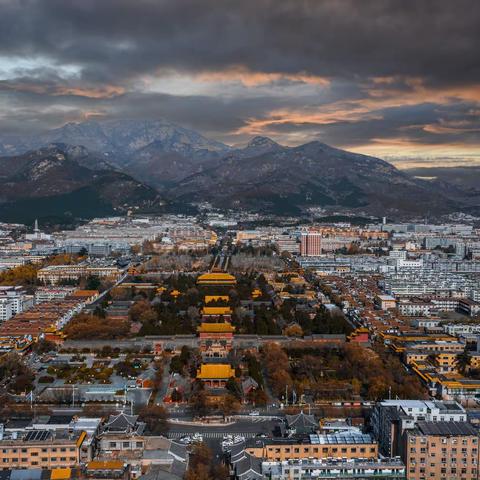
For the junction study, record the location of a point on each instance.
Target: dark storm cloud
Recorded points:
(435, 39)
(395, 69)
(215, 116)
(424, 124)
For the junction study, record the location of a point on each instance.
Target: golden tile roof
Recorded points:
(216, 311)
(216, 278)
(221, 371)
(216, 298)
(206, 327)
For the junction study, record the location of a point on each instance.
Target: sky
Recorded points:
(398, 79)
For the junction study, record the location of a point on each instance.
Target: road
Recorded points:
(248, 428)
(163, 389)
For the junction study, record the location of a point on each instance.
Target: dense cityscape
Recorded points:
(239, 240)
(195, 347)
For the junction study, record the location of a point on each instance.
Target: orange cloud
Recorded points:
(90, 115)
(254, 79)
(402, 152)
(381, 95)
(329, 114)
(459, 126)
(105, 91)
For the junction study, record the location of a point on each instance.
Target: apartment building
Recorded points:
(441, 450)
(54, 274)
(41, 449)
(461, 329)
(13, 300)
(341, 445)
(121, 435)
(310, 244)
(311, 469)
(390, 419)
(426, 307)
(44, 317)
(287, 243)
(416, 307)
(385, 302)
(47, 294)
(469, 306)
(6, 309)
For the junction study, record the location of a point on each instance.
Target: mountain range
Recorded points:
(62, 183)
(104, 167)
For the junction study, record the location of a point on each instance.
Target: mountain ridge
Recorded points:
(263, 175)
(295, 178)
(49, 182)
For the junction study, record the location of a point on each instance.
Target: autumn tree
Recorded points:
(201, 465)
(229, 405)
(44, 346)
(141, 311)
(84, 326)
(15, 374)
(155, 417)
(234, 388)
(294, 330)
(258, 397)
(198, 400)
(277, 366)
(463, 361)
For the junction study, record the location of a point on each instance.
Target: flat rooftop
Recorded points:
(447, 428)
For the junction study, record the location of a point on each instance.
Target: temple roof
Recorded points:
(216, 298)
(216, 371)
(121, 422)
(216, 311)
(206, 327)
(216, 278)
(301, 420)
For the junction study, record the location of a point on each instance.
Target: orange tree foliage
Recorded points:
(15, 375)
(344, 372)
(156, 419)
(277, 367)
(21, 275)
(84, 326)
(63, 259)
(27, 274)
(201, 465)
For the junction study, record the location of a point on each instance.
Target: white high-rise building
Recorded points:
(13, 300)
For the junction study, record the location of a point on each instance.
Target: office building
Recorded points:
(442, 450)
(390, 418)
(310, 244)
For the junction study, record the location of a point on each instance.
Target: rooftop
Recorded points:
(216, 310)
(447, 428)
(341, 438)
(217, 278)
(215, 370)
(206, 327)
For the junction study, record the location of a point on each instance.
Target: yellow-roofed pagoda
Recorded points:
(216, 339)
(216, 311)
(215, 374)
(216, 278)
